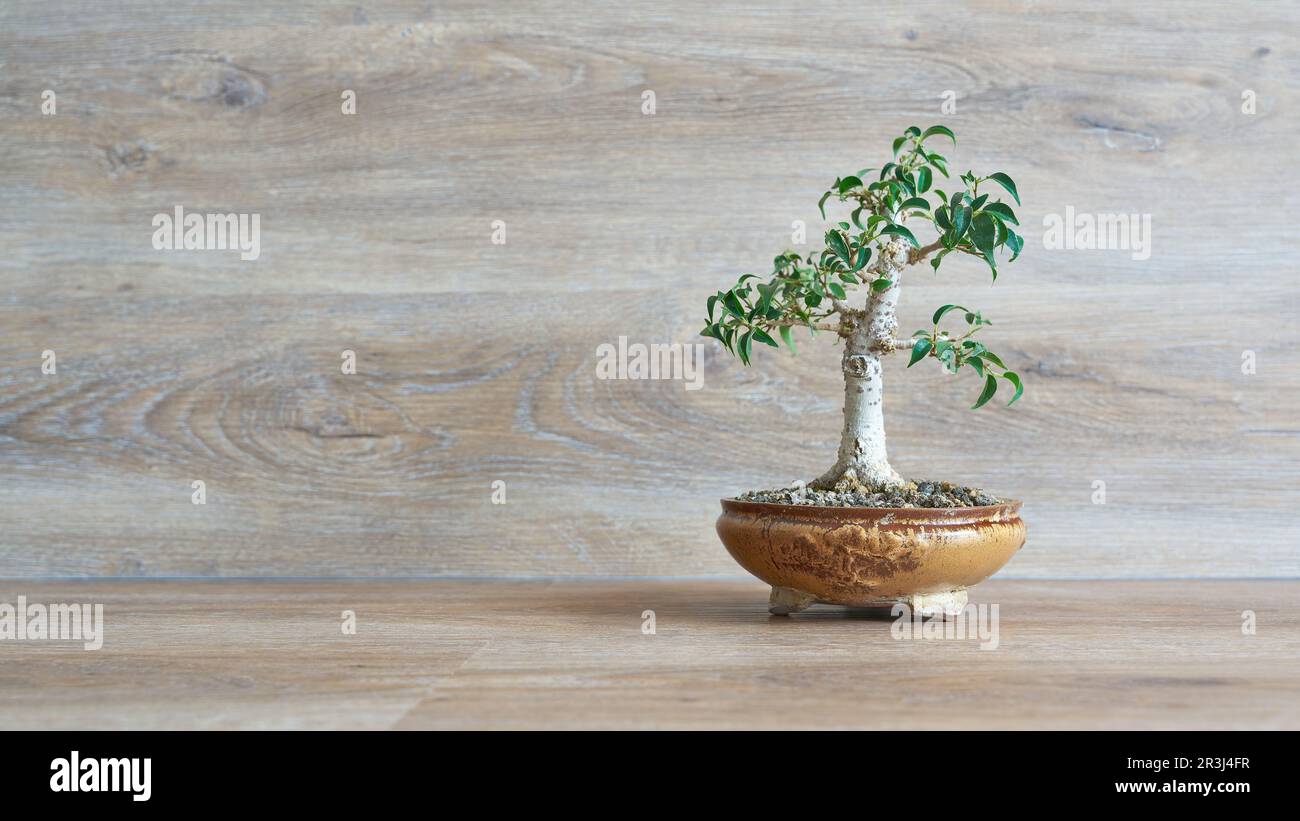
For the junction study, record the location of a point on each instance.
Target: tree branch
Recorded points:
(849, 314)
(905, 344)
(921, 253)
(795, 323)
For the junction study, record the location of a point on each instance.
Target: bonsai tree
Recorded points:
(869, 253)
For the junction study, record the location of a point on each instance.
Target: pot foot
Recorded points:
(946, 606)
(787, 600)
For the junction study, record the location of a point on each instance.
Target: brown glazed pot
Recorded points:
(870, 556)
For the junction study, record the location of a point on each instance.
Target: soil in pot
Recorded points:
(851, 493)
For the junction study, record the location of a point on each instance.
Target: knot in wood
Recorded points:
(855, 365)
(896, 254)
(884, 345)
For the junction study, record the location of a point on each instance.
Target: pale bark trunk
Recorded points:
(868, 336)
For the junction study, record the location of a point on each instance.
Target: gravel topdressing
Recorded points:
(912, 494)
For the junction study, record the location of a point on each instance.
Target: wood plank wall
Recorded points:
(476, 361)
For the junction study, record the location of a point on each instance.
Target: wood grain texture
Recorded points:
(459, 654)
(477, 361)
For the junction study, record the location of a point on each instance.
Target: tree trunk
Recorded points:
(868, 336)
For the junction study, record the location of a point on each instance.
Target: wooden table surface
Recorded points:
(494, 654)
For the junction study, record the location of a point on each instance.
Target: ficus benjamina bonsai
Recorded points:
(869, 253)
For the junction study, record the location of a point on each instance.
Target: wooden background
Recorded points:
(476, 362)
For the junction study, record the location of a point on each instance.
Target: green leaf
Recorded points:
(990, 388)
(915, 202)
(732, 304)
(900, 231)
(1002, 211)
(746, 346)
(1007, 183)
(919, 351)
(939, 129)
(976, 363)
(788, 338)
(849, 183)
(908, 182)
(713, 300)
(898, 143)
(923, 179)
(763, 337)
(942, 220)
(983, 232)
(881, 284)
(938, 315)
(961, 219)
(1014, 379)
(836, 243)
(992, 357)
(946, 354)
(821, 204)
(836, 290)
(1015, 242)
(864, 254)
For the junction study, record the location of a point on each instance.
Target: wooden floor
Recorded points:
(491, 654)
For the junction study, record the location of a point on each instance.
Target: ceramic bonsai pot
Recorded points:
(870, 557)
